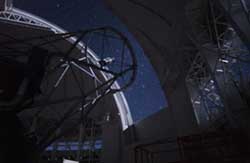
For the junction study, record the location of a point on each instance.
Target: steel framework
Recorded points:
(17, 18)
(220, 64)
(87, 149)
(73, 81)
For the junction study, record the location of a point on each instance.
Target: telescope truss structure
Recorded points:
(218, 77)
(66, 80)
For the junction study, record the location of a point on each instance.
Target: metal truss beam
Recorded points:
(9, 15)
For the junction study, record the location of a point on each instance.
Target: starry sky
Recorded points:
(145, 96)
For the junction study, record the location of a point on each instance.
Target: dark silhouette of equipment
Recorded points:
(22, 80)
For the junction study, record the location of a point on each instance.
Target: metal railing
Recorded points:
(212, 147)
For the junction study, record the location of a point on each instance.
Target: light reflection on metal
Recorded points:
(74, 66)
(36, 21)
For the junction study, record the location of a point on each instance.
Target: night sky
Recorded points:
(145, 95)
